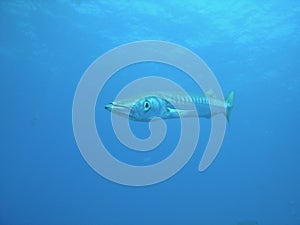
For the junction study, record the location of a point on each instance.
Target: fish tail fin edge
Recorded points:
(229, 105)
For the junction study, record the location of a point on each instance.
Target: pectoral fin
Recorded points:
(183, 112)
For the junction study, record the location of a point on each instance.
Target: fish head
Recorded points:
(142, 109)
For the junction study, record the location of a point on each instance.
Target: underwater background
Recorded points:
(253, 47)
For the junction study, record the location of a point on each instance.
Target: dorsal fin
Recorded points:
(210, 93)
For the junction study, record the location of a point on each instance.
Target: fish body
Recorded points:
(171, 105)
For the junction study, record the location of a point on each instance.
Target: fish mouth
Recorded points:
(117, 108)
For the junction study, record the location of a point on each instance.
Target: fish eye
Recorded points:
(147, 105)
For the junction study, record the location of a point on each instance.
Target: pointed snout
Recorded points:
(109, 106)
(121, 109)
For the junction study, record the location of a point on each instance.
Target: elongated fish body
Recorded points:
(168, 106)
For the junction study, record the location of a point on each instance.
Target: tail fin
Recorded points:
(229, 104)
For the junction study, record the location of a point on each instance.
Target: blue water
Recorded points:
(252, 47)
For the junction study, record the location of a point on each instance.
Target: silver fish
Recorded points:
(152, 105)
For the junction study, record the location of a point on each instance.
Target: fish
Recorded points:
(166, 105)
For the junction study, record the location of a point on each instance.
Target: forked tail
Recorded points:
(229, 104)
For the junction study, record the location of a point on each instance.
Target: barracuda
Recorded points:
(167, 106)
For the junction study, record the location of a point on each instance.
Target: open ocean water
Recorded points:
(252, 47)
